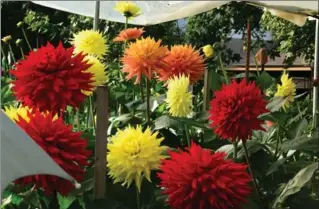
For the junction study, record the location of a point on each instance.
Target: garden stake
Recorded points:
(244, 142)
(248, 50)
(102, 117)
(147, 100)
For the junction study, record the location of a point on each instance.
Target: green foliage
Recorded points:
(283, 157)
(292, 40)
(216, 26)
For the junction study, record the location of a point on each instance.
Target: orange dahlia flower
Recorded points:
(129, 34)
(183, 59)
(144, 57)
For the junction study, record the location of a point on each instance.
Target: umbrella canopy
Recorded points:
(21, 156)
(155, 12)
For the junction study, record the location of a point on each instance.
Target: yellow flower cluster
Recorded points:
(93, 44)
(286, 89)
(128, 9)
(133, 154)
(179, 99)
(14, 113)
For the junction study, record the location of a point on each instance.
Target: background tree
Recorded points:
(292, 40)
(220, 24)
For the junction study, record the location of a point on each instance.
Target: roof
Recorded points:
(236, 45)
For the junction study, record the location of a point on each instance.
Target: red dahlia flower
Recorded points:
(65, 147)
(51, 78)
(198, 179)
(235, 109)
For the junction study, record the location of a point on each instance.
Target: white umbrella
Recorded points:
(21, 156)
(155, 12)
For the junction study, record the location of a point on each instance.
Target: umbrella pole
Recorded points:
(315, 77)
(101, 128)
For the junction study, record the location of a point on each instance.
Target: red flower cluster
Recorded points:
(235, 109)
(198, 179)
(51, 78)
(64, 146)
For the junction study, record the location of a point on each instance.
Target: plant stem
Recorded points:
(91, 112)
(78, 119)
(5, 59)
(187, 135)
(148, 100)
(235, 143)
(142, 91)
(26, 39)
(277, 143)
(138, 202)
(251, 172)
(11, 52)
(22, 53)
(223, 69)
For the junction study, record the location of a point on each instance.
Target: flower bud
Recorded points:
(208, 50)
(19, 24)
(18, 42)
(6, 39)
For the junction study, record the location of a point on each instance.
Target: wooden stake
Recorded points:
(101, 141)
(248, 50)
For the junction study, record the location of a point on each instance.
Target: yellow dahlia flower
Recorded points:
(179, 99)
(14, 113)
(286, 89)
(208, 50)
(133, 154)
(98, 70)
(128, 9)
(89, 42)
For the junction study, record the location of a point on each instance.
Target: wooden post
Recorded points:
(102, 116)
(102, 119)
(248, 50)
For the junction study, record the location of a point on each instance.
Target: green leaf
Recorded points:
(296, 183)
(215, 81)
(275, 166)
(298, 128)
(81, 202)
(65, 202)
(265, 80)
(165, 122)
(276, 103)
(303, 143)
